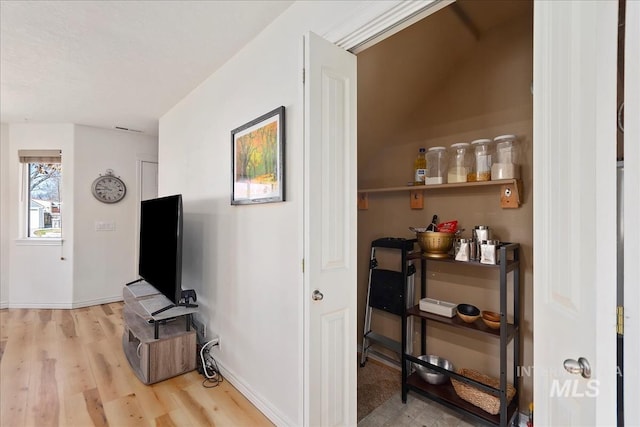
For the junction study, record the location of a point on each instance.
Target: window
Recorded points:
(43, 202)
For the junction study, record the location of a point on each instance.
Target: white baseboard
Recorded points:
(4, 304)
(98, 301)
(379, 358)
(63, 306)
(259, 402)
(41, 305)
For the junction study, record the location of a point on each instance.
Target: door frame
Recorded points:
(140, 159)
(632, 210)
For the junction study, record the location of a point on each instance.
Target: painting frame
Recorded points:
(257, 160)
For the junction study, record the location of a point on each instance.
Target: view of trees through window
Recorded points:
(44, 219)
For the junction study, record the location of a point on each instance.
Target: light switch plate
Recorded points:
(105, 226)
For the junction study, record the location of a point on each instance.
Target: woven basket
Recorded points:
(475, 396)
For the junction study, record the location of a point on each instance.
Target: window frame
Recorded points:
(27, 158)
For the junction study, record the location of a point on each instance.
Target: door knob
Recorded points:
(581, 366)
(317, 295)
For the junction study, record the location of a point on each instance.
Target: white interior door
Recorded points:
(330, 234)
(575, 44)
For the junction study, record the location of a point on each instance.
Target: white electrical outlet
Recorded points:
(215, 342)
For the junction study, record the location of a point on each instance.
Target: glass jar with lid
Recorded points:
(459, 162)
(436, 165)
(481, 166)
(507, 163)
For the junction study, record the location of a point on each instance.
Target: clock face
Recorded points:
(109, 189)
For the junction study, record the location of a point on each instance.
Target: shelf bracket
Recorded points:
(363, 201)
(417, 199)
(510, 195)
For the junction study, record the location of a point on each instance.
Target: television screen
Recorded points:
(160, 262)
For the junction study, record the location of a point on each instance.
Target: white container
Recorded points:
(441, 308)
(436, 166)
(481, 166)
(459, 162)
(507, 162)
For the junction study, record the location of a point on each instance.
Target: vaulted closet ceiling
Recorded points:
(397, 75)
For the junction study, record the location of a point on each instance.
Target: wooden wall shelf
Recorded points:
(510, 190)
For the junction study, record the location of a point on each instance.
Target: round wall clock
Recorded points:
(108, 188)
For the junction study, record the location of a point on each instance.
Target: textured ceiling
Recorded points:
(116, 63)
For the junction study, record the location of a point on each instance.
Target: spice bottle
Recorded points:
(459, 162)
(481, 166)
(436, 165)
(420, 168)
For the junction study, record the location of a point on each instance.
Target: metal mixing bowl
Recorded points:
(429, 375)
(435, 243)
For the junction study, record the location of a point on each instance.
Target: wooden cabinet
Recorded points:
(159, 346)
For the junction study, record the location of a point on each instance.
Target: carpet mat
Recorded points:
(377, 382)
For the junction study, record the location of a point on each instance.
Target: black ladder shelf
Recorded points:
(387, 291)
(509, 256)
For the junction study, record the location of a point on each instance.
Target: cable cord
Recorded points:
(214, 377)
(213, 382)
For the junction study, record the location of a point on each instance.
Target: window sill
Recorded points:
(34, 241)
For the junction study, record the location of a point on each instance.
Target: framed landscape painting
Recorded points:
(257, 150)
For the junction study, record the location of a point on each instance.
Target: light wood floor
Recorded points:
(67, 368)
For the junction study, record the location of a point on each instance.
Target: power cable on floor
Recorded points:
(210, 368)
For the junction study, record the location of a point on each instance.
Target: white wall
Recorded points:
(90, 267)
(4, 215)
(105, 260)
(245, 261)
(40, 276)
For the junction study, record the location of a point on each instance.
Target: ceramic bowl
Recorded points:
(468, 313)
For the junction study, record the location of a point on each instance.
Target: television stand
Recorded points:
(155, 348)
(184, 304)
(155, 313)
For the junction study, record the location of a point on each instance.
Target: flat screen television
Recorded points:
(160, 262)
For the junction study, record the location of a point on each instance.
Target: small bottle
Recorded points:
(420, 168)
(434, 224)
